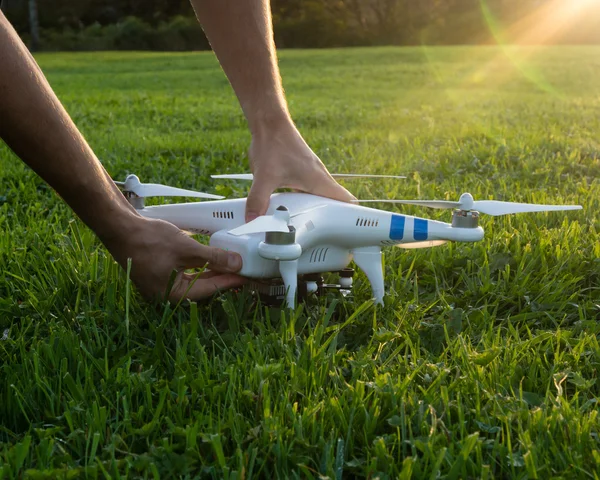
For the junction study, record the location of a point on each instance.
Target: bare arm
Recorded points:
(241, 35)
(37, 128)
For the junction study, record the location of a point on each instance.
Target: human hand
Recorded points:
(280, 158)
(38, 129)
(157, 248)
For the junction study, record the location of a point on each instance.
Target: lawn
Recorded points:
(483, 364)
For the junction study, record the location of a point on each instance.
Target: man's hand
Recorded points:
(280, 158)
(157, 248)
(241, 35)
(38, 129)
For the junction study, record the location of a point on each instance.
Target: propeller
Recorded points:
(132, 184)
(489, 207)
(425, 244)
(278, 222)
(249, 176)
(272, 223)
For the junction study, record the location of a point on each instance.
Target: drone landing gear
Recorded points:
(273, 292)
(369, 260)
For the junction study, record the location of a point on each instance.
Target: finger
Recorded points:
(198, 255)
(206, 273)
(258, 199)
(326, 186)
(209, 273)
(194, 287)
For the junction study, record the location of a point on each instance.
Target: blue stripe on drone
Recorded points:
(420, 232)
(397, 227)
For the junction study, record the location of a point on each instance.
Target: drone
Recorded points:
(302, 236)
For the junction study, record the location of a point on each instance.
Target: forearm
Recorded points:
(241, 35)
(36, 127)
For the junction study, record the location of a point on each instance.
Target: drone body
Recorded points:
(330, 234)
(306, 234)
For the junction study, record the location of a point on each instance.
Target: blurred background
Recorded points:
(170, 25)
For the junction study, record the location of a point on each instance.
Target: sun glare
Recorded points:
(551, 22)
(552, 19)
(584, 3)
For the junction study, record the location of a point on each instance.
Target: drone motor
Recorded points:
(135, 201)
(465, 219)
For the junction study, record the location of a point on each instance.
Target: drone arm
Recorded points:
(369, 260)
(199, 217)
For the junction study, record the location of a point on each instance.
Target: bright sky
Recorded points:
(552, 18)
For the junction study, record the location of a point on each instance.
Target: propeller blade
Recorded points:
(421, 203)
(360, 175)
(156, 190)
(489, 207)
(265, 223)
(277, 222)
(425, 244)
(132, 184)
(495, 207)
(249, 176)
(235, 176)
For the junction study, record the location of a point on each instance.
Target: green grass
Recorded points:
(483, 364)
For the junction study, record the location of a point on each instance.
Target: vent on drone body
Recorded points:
(318, 255)
(367, 222)
(222, 214)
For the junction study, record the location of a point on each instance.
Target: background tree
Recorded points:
(171, 24)
(34, 26)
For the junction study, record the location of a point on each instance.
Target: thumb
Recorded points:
(258, 199)
(197, 287)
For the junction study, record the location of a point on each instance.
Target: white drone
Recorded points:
(303, 234)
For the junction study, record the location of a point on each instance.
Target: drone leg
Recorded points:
(289, 273)
(368, 259)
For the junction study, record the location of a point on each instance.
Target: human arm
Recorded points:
(241, 35)
(37, 128)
